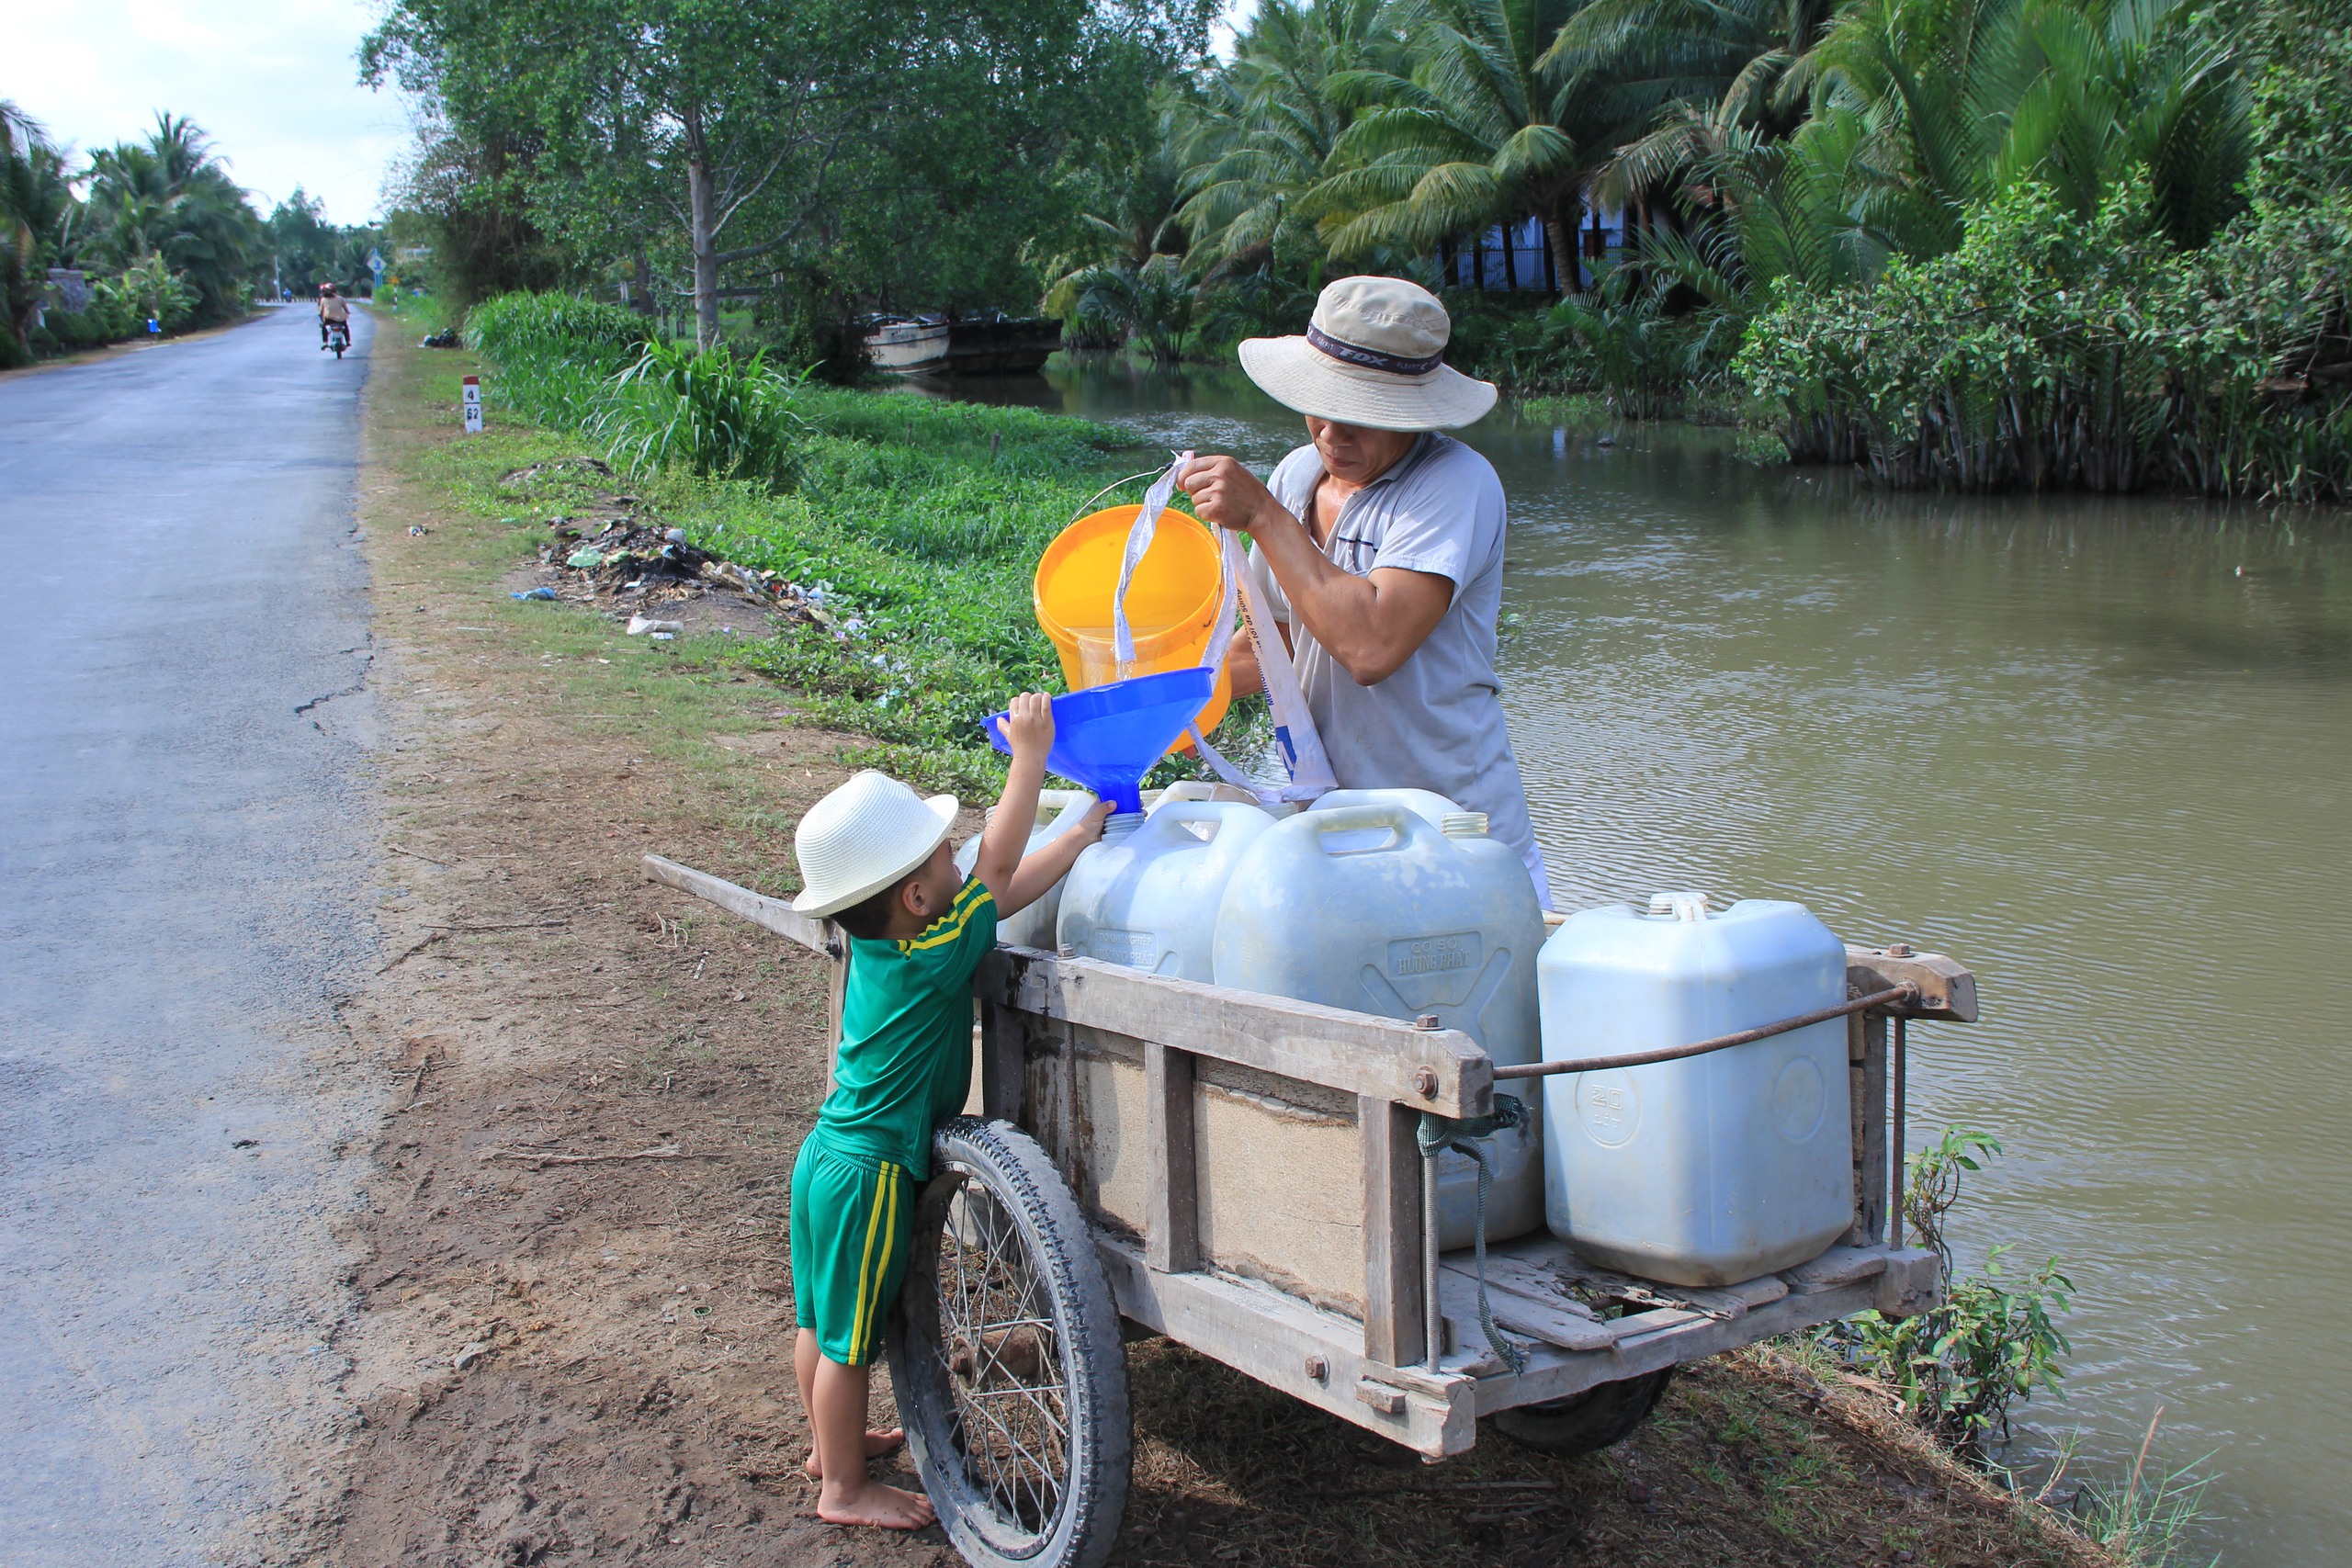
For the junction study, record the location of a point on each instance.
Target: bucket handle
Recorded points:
(1087, 505)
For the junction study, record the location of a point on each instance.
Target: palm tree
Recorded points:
(1693, 72)
(1130, 217)
(1263, 136)
(35, 202)
(170, 196)
(1153, 301)
(1965, 98)
(1481, 130)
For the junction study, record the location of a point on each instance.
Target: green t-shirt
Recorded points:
(905, 1062)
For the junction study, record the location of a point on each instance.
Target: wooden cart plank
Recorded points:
(1947, 988)
(1556, 1374)
(1433, 1069)
(772, 914)
(1517, 1313)
(822, 937)
(1287, 1345)
(1866, 1074)
(1395, 1330)
(1172, 1230)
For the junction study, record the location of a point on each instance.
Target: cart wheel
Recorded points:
(1005, 1354)
(1587, 1422)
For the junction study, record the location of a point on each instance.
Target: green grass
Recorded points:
(919, 521)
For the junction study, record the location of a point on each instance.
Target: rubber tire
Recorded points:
(1587, 1422)
(1094, 1363)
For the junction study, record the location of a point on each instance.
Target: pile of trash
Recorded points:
(621, 555)
(445, 338)
(610, 554)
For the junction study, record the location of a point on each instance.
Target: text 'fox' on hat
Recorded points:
(868, 834)
(1373, 356)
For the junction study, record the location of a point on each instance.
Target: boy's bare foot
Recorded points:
(884, 1508)
(877, 1445)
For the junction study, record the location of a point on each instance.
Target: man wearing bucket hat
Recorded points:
(875, 857)
(1378, 550)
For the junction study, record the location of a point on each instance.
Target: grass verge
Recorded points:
(915, 521)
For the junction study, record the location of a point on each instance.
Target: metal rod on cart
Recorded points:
(1905, 992)
(1894, 1202)
(1432, 1310)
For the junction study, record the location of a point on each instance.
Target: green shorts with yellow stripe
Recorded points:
(849, 1248)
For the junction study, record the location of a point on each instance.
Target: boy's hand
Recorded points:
(1029, 726)
(1089, 826)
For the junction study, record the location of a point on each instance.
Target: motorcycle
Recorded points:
(338, 337)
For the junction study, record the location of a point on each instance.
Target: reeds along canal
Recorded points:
(2101, 747)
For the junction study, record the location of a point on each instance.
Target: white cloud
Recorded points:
(274, 85)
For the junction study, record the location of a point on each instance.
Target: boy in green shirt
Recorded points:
(875, 857)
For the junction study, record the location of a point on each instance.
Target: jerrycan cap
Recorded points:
(1686, 906)
(1464, 824)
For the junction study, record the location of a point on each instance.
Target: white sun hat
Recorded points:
(863, 837)
(1373, 356)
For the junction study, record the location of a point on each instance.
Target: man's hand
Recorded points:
(1029, 726)
(1225, 494)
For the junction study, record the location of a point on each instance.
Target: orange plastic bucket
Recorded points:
(1171, 603)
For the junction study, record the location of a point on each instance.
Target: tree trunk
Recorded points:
(699, 201)
(1511, 259)
(1562, 241)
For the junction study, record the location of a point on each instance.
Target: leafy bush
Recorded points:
(2023, 358)
(1992, 1343)
(2055, 351)
(577, 364)
(704, 410)
(516, 328)
(149, 290)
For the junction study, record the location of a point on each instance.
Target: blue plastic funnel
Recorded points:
(1108, 736)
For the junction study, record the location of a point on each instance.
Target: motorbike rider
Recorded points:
(333, 308)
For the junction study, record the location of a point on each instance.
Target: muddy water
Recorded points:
(2099, 750)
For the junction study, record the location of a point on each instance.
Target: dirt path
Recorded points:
(575, 1363)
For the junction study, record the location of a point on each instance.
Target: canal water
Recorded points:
(2099, 750)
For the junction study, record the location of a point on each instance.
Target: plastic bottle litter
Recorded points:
(534, 593)
(639, 625)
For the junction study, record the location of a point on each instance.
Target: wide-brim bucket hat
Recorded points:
(868, 834)
(1373, 356)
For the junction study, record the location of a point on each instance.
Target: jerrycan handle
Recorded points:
(1064, 802)
(1407, 825)
(1686, 906)
(1169, 817)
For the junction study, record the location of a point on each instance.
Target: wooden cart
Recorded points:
(1241, 1173)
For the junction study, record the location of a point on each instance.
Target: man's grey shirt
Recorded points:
(1437, 723)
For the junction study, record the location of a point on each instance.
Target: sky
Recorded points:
(273, 83)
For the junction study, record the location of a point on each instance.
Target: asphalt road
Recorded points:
(186, 837)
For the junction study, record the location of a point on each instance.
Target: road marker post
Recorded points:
(473, 405)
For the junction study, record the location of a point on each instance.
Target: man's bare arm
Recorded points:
(1370, 624)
